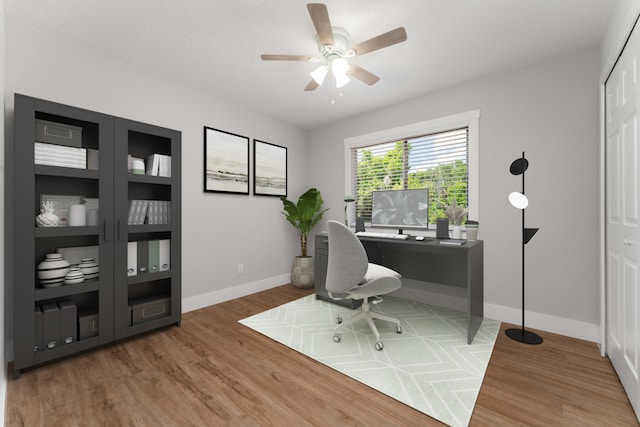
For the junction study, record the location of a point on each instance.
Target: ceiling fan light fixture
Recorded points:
(341, 80)
(319, 74)
(339, 66)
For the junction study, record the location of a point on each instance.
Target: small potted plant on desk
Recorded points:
(303, 216)
(456, 215)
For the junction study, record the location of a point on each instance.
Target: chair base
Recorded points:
(369, 316)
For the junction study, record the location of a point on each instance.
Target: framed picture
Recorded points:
(269, 169)
(226, 162)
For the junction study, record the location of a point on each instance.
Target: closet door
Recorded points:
(622, 112)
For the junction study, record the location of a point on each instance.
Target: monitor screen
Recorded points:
(400, 208)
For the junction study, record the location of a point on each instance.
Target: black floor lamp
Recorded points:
(520, 201)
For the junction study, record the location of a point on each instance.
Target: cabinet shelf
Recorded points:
(151, 325)
(67, 290)
(66, 350)
(66, 231)
(148, 179)
(148, 228)
(149, 277)
(66, 172)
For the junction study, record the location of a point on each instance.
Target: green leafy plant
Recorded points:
(455, 213)
(304, 215)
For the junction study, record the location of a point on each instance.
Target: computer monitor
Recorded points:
(400, 208)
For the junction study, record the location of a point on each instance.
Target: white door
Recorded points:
(622, 113)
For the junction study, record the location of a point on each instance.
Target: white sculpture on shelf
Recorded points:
(47, 218)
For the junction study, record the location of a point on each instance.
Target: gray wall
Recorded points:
(549, 110)
(623, 15)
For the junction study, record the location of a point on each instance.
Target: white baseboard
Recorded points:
(545, 322)
(226, 294)
(443, 296)
(434, 295)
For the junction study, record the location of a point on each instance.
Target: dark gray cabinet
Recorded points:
(106, 301)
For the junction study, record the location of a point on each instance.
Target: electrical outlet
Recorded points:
(240, 269)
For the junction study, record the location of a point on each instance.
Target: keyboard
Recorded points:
(382, 235)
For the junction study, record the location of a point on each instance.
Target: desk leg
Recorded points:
(475, 291)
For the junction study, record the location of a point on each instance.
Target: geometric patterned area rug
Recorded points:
(429, 366)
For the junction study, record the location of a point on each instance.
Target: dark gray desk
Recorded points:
(426, 261)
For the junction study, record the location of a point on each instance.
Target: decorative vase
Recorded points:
(456, 232)
(47, 218)
(77, 216)
(74, 276)
(52, 270)
(89, 268)
(302, 272)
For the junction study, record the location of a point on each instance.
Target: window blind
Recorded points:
(437, 161)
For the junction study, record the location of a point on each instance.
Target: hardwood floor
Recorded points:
(214, 371)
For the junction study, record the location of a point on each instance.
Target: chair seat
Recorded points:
(375, 271)
(378, 280)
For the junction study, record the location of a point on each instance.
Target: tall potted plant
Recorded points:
(303, 216)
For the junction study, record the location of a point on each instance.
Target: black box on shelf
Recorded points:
(37, 345)
(58, 133)
(68, 318)
(50, 326)
(87, 324)
(149, 308)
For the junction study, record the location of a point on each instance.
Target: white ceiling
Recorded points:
(215, 45)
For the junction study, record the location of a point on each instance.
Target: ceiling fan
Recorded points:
(333, 46)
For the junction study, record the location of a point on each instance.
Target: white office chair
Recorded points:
(351, 275)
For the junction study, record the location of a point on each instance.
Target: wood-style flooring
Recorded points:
(213, 371)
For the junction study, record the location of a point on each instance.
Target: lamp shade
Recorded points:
(518, 200)
(342, 80)
(319, 74)
(528, 233)
(518, 166)
(339, 68)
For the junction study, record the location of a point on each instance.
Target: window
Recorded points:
(440, 155)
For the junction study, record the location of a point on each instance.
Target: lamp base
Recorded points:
(523, 336)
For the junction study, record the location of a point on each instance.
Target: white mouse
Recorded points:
(419, 238)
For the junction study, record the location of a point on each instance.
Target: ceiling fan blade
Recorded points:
(313, 85)
(383, 40)
(320, 18)
(285, 58)
(362, 74)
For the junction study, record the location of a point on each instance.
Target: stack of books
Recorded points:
(60, 155)
(149, 212)
(159, 165)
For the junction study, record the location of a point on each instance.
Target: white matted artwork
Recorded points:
(269, 169)
(226, 162)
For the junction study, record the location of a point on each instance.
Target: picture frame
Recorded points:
(269, 169)
(226, 162)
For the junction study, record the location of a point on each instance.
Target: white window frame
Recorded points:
(469, 119)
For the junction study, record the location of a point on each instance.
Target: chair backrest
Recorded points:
(348, 261)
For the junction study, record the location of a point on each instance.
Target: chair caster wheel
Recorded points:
(399, 329)
(337, 338)
(338, 320)
(379, 346)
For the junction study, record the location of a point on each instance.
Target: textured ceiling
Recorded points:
(215, 45)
